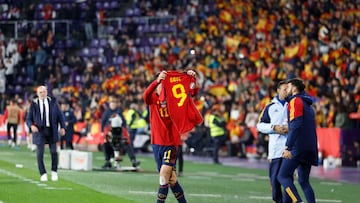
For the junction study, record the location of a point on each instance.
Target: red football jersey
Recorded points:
(163, 132)
(179, 88)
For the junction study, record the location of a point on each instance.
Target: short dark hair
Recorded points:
(281, 83)
(298, 83)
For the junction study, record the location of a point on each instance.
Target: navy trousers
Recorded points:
(285, 177)
(47, 135)
(274, 168)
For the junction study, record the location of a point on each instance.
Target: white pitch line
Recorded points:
(329, 200)
(58, 188)
(142, 192)
(189, 194)
(317, 200)
(39, 184)
(205, 195)
(261, 197)
(330, 183)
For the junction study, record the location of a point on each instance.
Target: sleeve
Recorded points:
(121, 114)
(104, 120)
(194, 87)
(29, 119)
(295, 107)
(219, 123)
(147, 96)
(73, 118)
(264, 124)
(6, 114)
(61, 118)
(20, 115)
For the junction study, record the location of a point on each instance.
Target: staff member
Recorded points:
(273, 121)
(217, 131)
(70, 121)
(44, 118)
(301, 150)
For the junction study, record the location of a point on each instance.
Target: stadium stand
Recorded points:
(240, 49)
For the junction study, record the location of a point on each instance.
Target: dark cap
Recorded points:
(299, 84)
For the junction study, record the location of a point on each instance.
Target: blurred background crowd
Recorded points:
(88, 51)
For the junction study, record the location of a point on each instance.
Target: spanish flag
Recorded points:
(303, 47)
(218, 90)
(291, 51)
(261, 25)
(225, 16)
(231, 44)
(199, 38)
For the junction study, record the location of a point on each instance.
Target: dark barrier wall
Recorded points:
(347, 139)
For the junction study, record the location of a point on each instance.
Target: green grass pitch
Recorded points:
(202, 182)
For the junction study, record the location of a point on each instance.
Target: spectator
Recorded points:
(9, 64)
(2, 79)
(13, 117)
(90, 16)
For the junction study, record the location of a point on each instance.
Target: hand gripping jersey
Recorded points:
(179, 89)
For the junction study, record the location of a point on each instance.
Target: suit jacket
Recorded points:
(33, 117)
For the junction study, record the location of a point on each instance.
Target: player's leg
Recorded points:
(181, 160)
(304, 173)
(116, 144)
(176, 188)
(285, 177)
(216, 141)
(69, 139)
(14, 126)
(8, 127)
(131, 153)
(274, 167)
(40, 157)
(164, 179)
(62, 140)
(54, 156)
(108, 153)
(167, 155)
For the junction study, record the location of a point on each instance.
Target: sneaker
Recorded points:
(43, 177)
(54, 176)
(180, 174)
(33, 148)
(107, 165)
(135, 164)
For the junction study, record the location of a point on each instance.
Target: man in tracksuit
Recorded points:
(301, 150)
(273, 121)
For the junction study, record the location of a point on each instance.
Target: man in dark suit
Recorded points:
(44, 117)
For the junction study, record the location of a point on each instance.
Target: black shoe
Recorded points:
(107, 165)
(217, 162)
(135, 164)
